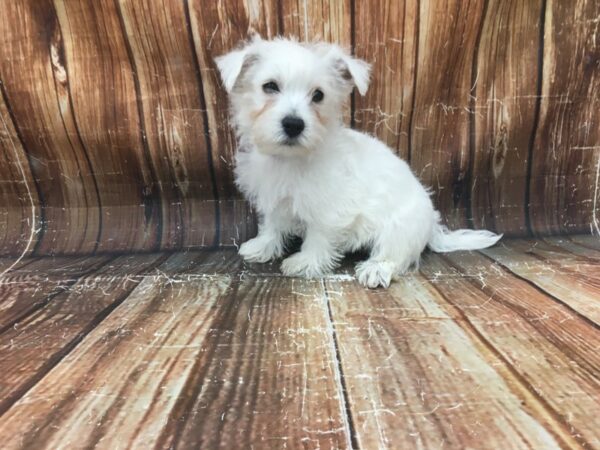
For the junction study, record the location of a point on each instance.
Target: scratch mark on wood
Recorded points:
(32, 233)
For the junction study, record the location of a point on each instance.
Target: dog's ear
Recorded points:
(356, 70)
(351, 69)
(233, 64)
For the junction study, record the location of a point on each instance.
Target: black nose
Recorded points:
(292, 126)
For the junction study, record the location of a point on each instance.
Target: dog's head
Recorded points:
(286, 96)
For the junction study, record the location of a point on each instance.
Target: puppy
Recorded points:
(309, 175)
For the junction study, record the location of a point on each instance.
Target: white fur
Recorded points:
(338, 189)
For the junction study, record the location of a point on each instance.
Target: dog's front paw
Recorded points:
(304, 265)
(259, 250)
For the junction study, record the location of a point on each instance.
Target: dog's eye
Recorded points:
(270, 87)
(318, 96)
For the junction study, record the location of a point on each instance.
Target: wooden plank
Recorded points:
(55, 268)
(591, 242)
(586, 246)
(35, 344)
(417, 378)
(571, 254)
(35, 283)
(19, 202)
(203, 361)
(104, 102)
(172, 102)
(561, 251)
(551, 352)
(314, 20)
(449, 31)
(573, 280)
(566, 153)
(218, 27)
(274, 381)
(504, 106)
(37, 93)
(9, 265)
(386, 35)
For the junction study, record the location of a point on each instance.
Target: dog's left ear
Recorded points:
(351, 69)
(232, 64)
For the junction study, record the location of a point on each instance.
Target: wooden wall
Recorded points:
(114, 135)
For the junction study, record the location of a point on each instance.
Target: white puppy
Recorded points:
(309, 175)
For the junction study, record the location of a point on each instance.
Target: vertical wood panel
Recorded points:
(217, 27)
(386, 35)
(20, 218)
(124, 125)
(314, 20)
(104, 101)
(504, 106)
(448, 37)
(174, 121)
(38, 93)
(566, 152)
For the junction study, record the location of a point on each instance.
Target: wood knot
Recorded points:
(57, 58)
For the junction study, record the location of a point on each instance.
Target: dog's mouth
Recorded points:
(291, 142)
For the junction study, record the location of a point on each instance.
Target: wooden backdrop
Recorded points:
(114, 135)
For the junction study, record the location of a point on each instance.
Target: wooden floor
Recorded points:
(488, 350)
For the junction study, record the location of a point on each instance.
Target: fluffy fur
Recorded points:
(336, 188)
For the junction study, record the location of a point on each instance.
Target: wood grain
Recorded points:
(10, 265)
(566, 153)
(314, 20)
(30, 348)
(574, 279)
(174, 122)
(31, 285)
(197, 349)
(449, 32)
(20, 211)
(272, 370)
(115, 133)
(416, 378)
(387, 36)
(218, 27)
(204, 362)
(102, 85)
(37, 92)
(589, 241)
(504, 113)
(552, 355)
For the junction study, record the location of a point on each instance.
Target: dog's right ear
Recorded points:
(232, 64)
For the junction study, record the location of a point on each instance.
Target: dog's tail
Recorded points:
(444, 240)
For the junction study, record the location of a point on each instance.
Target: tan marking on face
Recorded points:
(256, 114)
(320, 118)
